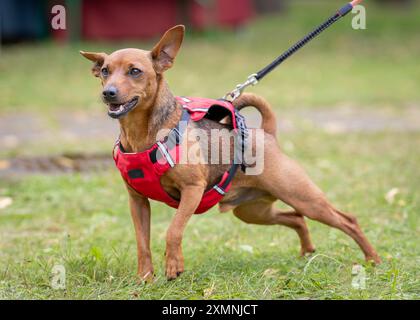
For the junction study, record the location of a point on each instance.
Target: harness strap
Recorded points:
(171, 140)
(218, 189)
(221, 187)
(243, 135)
(165, 153)
(230, 176)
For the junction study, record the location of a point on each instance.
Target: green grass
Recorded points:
(83, 223)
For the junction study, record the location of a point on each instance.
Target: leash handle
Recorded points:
(254, 78)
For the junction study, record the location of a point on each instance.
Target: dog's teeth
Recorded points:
(121, 108)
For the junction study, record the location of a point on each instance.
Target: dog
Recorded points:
(136, 93)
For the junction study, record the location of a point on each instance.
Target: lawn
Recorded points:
(81, 221)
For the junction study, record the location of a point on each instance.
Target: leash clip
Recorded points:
(235, 93)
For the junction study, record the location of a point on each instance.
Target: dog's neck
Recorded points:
(139, 129)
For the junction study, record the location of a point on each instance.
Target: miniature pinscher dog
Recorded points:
(136, 93)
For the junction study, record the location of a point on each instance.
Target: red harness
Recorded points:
(143, 170)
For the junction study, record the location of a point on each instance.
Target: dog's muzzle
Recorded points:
(118, 110)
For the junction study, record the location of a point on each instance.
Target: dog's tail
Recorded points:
(269, 122)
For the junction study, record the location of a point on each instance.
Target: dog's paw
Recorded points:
(174, 267)
(304, 252)
(374, 259)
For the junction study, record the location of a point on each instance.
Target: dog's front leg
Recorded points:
(190, 199)
(140, 213)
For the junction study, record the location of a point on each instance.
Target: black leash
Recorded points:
(254, 78)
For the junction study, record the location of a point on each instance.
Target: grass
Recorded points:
(82, 221)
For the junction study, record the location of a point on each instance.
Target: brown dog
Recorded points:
(136, 93)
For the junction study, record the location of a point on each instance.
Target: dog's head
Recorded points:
(130, 76)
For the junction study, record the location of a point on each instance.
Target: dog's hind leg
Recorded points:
(287, 181)
(263, 212)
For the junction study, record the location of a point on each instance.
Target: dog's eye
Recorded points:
(134, 72)
(105, 72)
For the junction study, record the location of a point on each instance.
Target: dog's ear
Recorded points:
(165, 51)
(98, 60)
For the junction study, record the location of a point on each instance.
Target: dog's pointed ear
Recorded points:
(165, 51)
(98, 60)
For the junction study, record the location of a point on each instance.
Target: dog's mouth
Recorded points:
(117, 110)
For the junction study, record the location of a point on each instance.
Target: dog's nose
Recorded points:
(110, 93)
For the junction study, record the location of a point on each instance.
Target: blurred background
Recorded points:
(348, 108)
(45, 81)
(43, 76)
